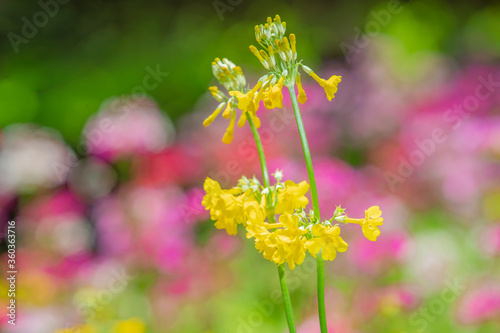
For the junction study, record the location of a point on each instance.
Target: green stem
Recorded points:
(314, 197)
(286, 299)
(320, 264)
(270, 213)
(260, 150)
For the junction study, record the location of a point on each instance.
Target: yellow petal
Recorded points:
(374, 212)
(242, 120)
(227, 112)
(228, 136)
(293, 42)
(254, 50)
(214, 115)
(313, 246)
(302, 94)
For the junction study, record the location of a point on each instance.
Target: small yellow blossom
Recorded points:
(228, 136)
(330, 86)
(302, 94)
(273, 96)
(226, 206)
(213, 191)
(371, 222)
(245, 101)
(255, 211)
(292, 197)
(296, 245)
(255, 225)
(327, 240)
(133, 325)
(228, 212)
(285, 244)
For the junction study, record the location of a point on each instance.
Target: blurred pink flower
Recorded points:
(489, 240)
(115, 236)
(371, 257)
(60, 202)
(179, 164)
(371, 301)
(480, 304)
(125, 127)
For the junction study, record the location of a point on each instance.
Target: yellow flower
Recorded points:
(255, 215)
(255, 212)
(133, 325)
(297, 248)
(232, 78)
(279, 57)
(288, 243)
(285, 244)
(302, 94)
(234, 206)
(213, 191)
(245, 101)
(330, 86)
(228, 212)
(228, 136)
(273, 96)
(326, 239)
(371, 222)
(292, 197)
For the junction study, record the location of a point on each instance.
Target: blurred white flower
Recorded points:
(65, 234)
(433, 260)
(33, 157)
(92, 178)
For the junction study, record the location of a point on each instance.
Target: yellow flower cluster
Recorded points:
(226, 206)
(327, 240)
(279, 56)
(233, 80)
(295, 233)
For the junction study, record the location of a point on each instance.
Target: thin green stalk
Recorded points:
(286, 299)
(314, 196)
(281, 268)
(320, 264)
(260, 150)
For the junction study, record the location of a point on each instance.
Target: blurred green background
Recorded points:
(91, 50)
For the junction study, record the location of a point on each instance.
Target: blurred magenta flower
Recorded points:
(480, 304)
